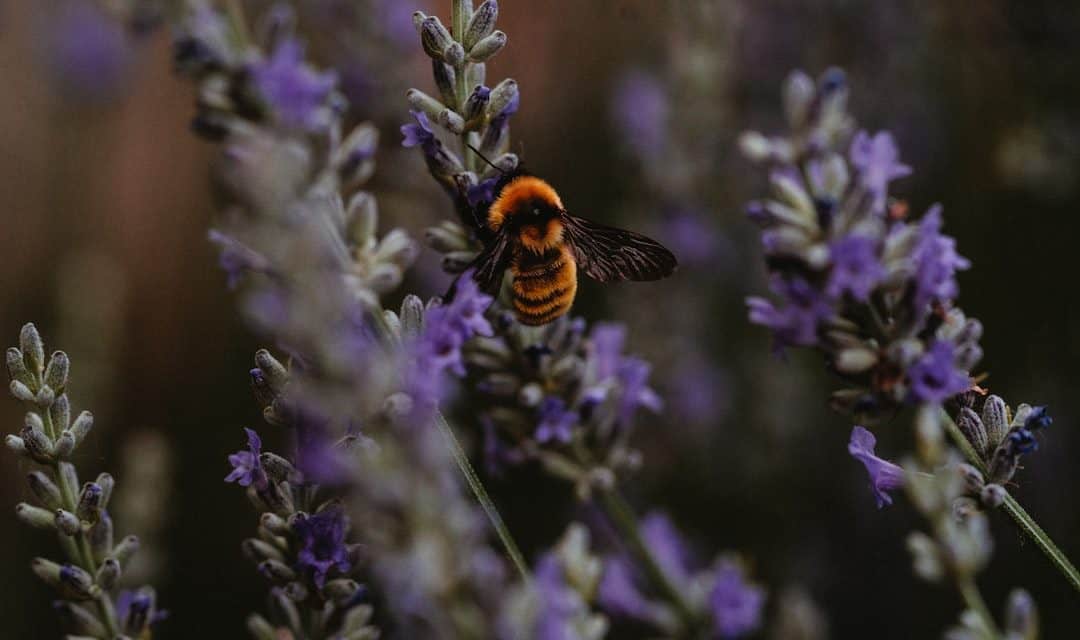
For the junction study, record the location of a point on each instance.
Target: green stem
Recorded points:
(484, 499)
(974, 601)
(1026, 523)
(239, 22)
(622, 517)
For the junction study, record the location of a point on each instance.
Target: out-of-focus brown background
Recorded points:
(103, 245)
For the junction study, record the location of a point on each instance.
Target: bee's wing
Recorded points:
(493, 261)
(607, 254)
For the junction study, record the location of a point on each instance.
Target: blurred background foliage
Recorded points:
(108, 198)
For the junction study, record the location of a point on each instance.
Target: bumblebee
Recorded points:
(526, 229)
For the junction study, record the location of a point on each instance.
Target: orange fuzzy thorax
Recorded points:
(519, 196)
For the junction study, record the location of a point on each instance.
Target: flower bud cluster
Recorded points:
(91, 604)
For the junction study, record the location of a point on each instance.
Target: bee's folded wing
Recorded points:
(607, 254)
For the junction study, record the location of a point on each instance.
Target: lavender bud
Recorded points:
(992, 496)
(89, 507)
(1021, 416)
(276, 571)
(139, 612)
(17, 367)
(927, 560)
(67, 523)
(284, 608)
(455, 55)
(973, 428)
(421, 101)
(82, 425)
(755, 146)
(21, 391)
(67, 474)
(502, 95)
(60, 413)
(56, 373)
(798, 96)
(488, 47)
(36, 517)
(32, 348)
(105, 481)
(435, 38)
(296, 591)
(1021, 616)
(100, 536)
(260, 629)
(69, 580)
(45, 396)
(274, 524)
(16, 444)
(418, 18)
(855, 360)
(279, 469)
(259, 550)
(79, 619)
(968, 355)
(475, 105)
(457, 261)
(341, 590)
(45, 489)
(37, 444)
(64, 446)
(108, 574)
(482, 23)
(451, 120)
(531, 395)
(124, 551)
(973, 479)
(445, 79)
(500, 384)
(475, 74)
(277, 376)
(363, 213)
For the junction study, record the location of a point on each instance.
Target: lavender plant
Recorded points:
(875, 293)
(87, 581)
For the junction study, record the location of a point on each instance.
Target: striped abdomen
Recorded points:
(544, 285)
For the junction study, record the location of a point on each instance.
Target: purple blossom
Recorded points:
(641, 112)
(878, 162)
(135, 611)
(633, 377)
(419, 133)
(618, 592)
(322, 539)
(607, 343)
(296, 93)
(482, 192)
(735, 604)
(622, 588)
(236, 259)
(796, 322)
(559, 604)
(556, 421)
(934, 377)
(247, 470)
(88, 51)
(695, 241)
(856, 269)
(884, 475)
(935, 262)
(667, 546)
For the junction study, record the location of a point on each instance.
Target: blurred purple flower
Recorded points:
(884, 475)
(556, 422)
(878, 162)
(322, 538)
(641, 111)
(419, 133)
(135, 611)
(559, 603)
(856, 269)
(934, 377)
(295, 92)
(247, 470)
(936, 262)
(88, 50)
(481, 192)
(796, 322)
(667, 546)
(693, 239)
(699, 391)
(618, 594)
(633, 377)
(607, 340)
(236, 259)
(735, 604)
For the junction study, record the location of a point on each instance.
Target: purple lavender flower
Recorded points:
(935, 262)
(695, 241)
(856, 269)
(556, 422)
(247, 470)
(641, 112)
(419, 133)
(481, 192)
(633, 375)
(559, 604)
(667, 546)
(607, 340)
(878, 162)
(88, 51)
(934, 377)
(293, 90)
(884, 475)
(136, 612)
(236, 259)
(735, 604)
(796, 322)
(322, 538)
(618, 592)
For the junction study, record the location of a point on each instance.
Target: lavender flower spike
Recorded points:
(884, 475)
(247, 471)
(736, 605)
(878, 162)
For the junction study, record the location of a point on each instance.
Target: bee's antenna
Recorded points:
(484, 158)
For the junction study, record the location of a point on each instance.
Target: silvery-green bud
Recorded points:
(995, 417)
(421, 101)
(32, 348)
(100, 537)
(89, 502)
(17, 367)
(108, 573)
(354, 159)
(488, 47)
(968, 355)
(412, 315)
(36, 517)
(124, 551)
(37, 444)
(929, 436)
(531, 395)
(475, 105)
(67, 474)
(434, 37)
(973, 428)
(445, 79)
(482, 23)
(418, 18)
(455, 55)
(21, 391)
(60, 413)
(277, 376)
(274, 523)
(475, 74)
(397, 247)
(67, 523)
(500, 384)
(296, 591)
(69, 580)
(260, 629)
(56, 373)
(992, 496)
(64, 446)
(45, 396)
(855, 360)
(457, 261)
(106, 482)
(799, 92)
(451, 120)
(276, 571)
(82, 425)
(755, 146)
(259, 550)
(1021, 616)
(16, 444)
(285, 608)
(397, 406)
(45, 489)
(1021, 416)
(79, 619)
(506, 163)
(501, 96)
(278, 468)
(446, 237)
(927, 559)
(340, 590)
(973, 478)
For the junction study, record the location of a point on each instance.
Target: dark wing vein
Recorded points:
(607, 254)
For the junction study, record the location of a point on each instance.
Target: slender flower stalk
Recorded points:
(87, 582)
